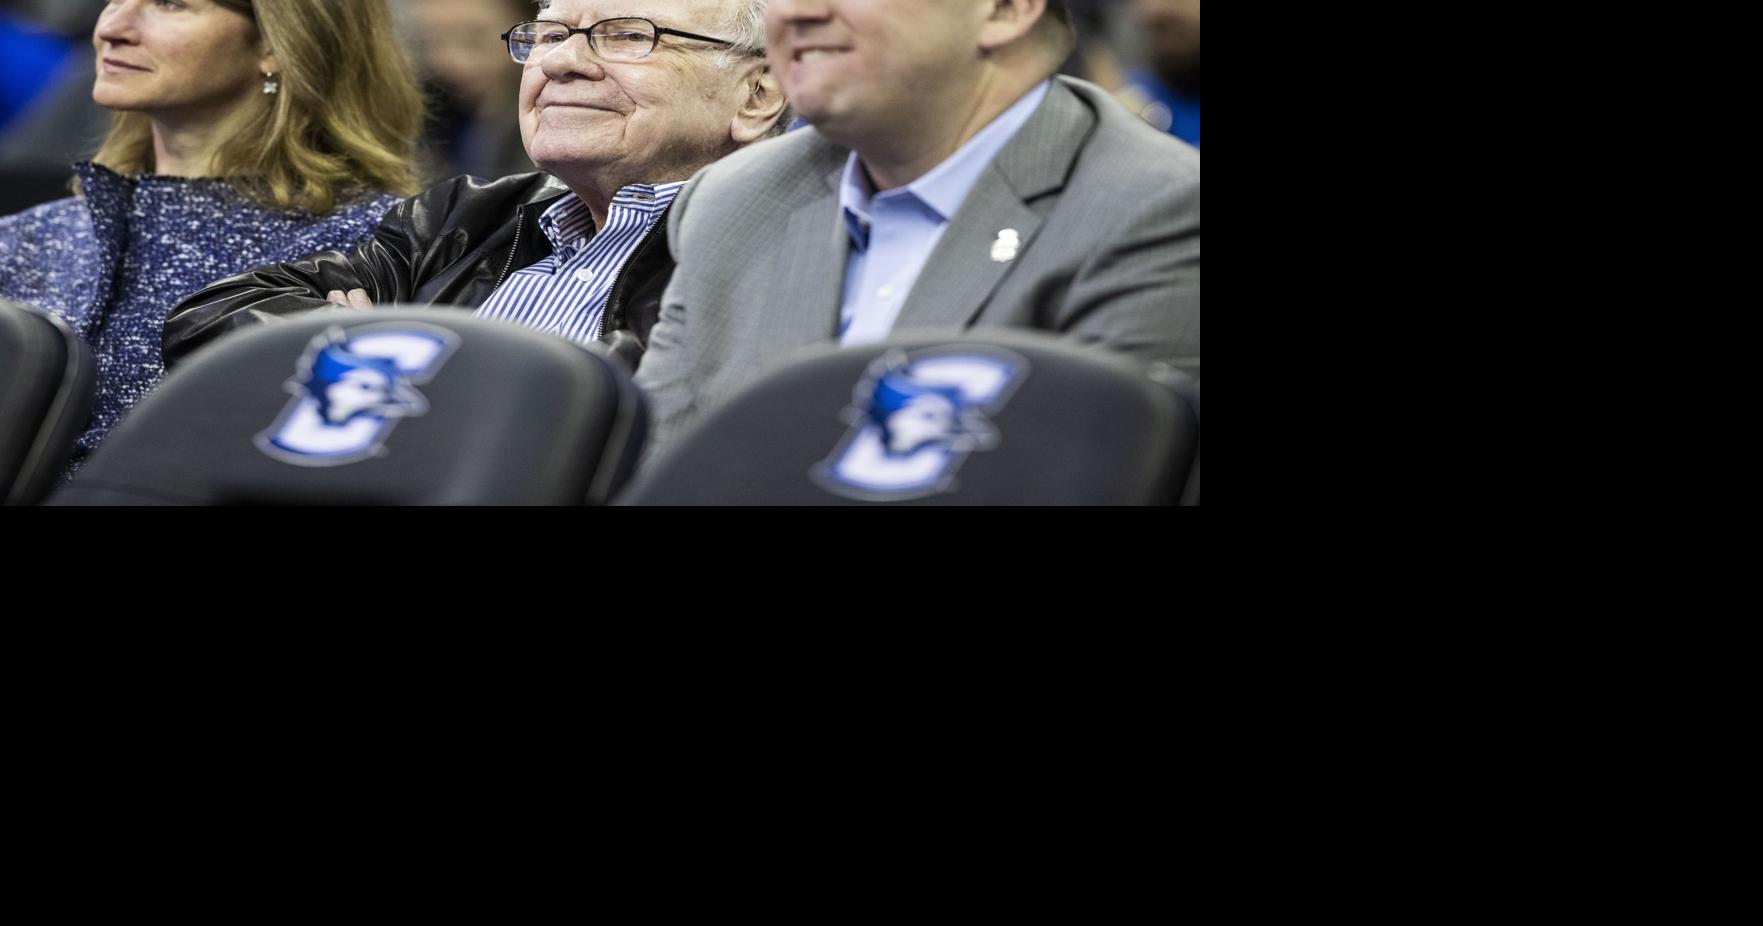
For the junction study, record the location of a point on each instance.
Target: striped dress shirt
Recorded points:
(565, 294)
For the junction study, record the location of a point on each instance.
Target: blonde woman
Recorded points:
(244, 132)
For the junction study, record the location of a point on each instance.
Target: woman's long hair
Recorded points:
(344, 122)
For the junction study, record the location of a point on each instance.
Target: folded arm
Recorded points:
(378, 271)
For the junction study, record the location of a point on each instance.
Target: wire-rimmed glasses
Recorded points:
(629, 38)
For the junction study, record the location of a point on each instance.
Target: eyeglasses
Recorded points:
(628, 39)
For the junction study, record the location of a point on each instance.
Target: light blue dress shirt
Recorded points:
(894, 233)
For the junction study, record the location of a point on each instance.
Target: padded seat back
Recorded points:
(47, 383)
(993, 418)
(394, 406)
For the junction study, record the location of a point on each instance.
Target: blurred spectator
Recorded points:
(1167, 91)
(471, 89)
(53, 121)
(1148, 53)
(27, 52)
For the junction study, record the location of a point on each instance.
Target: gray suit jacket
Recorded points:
(1107, 210)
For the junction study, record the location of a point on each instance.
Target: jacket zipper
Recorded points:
(519, 226)
(600, 323)
(611, 298)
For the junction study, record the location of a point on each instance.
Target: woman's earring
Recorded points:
(272, 85)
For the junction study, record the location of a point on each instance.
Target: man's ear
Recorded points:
(1009, 21)
(762, 104)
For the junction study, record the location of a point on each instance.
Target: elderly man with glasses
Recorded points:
(619, 110)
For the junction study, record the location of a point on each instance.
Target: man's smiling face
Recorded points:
(855, 68)
(588, 120)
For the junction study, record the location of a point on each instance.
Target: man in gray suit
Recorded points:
(948, 182)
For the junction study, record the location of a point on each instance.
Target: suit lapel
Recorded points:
(813, 253)
(962, 272)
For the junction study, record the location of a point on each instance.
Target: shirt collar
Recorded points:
(647, 197)
(946, 186)
(569, 222)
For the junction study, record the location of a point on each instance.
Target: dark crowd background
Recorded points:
(1146, 51)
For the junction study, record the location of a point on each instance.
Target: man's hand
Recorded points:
(356, 299)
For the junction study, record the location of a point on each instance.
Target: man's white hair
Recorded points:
(743, 23)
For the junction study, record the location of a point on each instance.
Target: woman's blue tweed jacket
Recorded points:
(114, 263)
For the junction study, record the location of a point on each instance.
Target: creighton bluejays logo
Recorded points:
(915, 418)
(350, 389)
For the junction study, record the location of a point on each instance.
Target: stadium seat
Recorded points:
(47, 382)
(992, 418)
(395, 406)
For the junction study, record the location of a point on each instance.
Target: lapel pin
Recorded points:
(1005, 248)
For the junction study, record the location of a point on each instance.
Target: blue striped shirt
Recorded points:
(565, 294)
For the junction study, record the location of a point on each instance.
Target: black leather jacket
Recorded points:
(452, 244)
